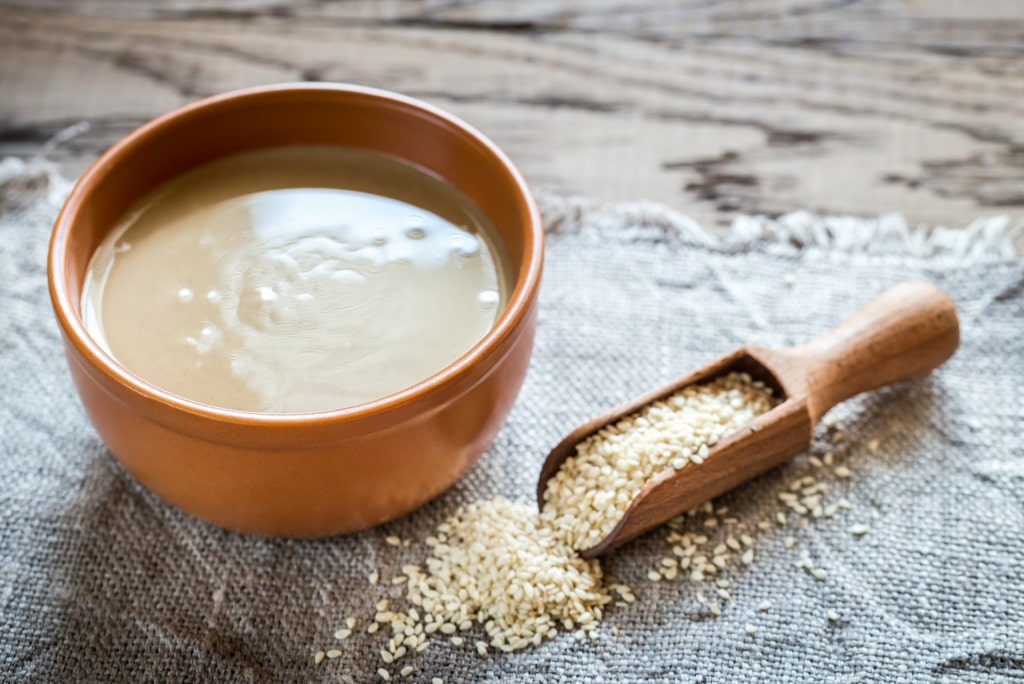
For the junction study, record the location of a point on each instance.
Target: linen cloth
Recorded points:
(100, 581)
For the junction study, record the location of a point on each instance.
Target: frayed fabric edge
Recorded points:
(24, 182)
(887, 237)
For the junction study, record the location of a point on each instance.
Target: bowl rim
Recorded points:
(521, 301)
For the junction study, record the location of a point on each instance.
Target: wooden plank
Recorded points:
(713, 108)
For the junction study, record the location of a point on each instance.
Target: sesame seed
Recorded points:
(456, 641)
(342, 634)
(691, 420)
(373, 577)
(393, 541)
(319, 657)
(715, 609)
(481, 648)
(819, 574)
(833, 616)
(764, 606)
(750, 629)
(384, 674)
(333, 653)
(843, 472)
(859, 530)
(372, 629)
(436, 680)
(873, 446)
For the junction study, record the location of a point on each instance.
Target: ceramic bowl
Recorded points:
(313, 474)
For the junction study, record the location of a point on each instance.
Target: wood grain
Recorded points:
(711, 106)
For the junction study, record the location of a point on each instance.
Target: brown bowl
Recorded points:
(310, 474)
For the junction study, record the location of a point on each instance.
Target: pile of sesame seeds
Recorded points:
(501, 577)
(588, 495)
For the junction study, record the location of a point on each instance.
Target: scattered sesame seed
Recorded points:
(873, 446)
(750, 629)
(342, 634)
(333, 653)
(764, 606)
(481, 648)
(319, 657)
(436, 680)
(406, 671)
(373, 577)
(819, 574)
(843, 472)
(393, 541)
(833, 616)
(456, 641)
(715, 609)
(384, 674)
(372, 629)
(859, 530)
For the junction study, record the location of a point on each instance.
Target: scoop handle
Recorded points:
(905, 333)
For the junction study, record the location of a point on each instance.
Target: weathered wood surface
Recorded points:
(711, 106)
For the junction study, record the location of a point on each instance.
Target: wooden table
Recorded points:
(711, 106)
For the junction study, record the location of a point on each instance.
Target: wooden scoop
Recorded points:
(905, 333)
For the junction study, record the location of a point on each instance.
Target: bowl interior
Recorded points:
(299, 114)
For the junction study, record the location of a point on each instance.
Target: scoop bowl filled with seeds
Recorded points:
(707, 432)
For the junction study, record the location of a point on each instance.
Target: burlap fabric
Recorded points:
(101, 581)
